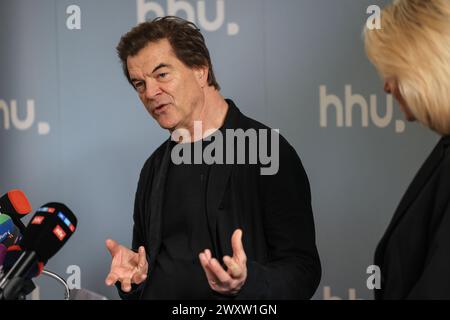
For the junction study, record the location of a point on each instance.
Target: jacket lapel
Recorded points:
(219, 175)
(156, 202)
(412, 192)
(217, 182)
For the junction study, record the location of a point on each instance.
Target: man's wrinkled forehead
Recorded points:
(152, 57)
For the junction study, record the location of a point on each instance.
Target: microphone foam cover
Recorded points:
(15, 204)
(49, 229)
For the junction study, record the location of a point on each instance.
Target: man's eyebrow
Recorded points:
(134, 79)
(161, 65)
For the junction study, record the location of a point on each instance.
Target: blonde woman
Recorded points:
(412, 53)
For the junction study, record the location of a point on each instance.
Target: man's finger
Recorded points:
(237, 246)
(208, 254)
(112, 247)
(126, 284)
(218, 271)
(111, 278)
(233, 267)
(139, 277)
(142, 260)
(205, 265)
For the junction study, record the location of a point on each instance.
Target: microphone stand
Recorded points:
(27, 286)
(60, 280)
(23, 287)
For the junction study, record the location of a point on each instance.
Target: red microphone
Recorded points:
(16, 205)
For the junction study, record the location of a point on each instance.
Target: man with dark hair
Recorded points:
(206, 230)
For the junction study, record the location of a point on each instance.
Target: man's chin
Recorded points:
(168, 125)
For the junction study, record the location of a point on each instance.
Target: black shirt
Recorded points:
(177, 273)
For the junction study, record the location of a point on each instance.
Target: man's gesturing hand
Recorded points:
(231, 281)
(127, 266)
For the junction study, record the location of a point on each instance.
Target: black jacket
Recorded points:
(414, 253)
(274, 213)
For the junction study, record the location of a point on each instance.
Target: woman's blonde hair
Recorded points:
(413, 45)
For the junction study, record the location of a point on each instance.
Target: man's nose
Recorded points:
(152, 89)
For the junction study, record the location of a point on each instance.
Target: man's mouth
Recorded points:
(161, 108)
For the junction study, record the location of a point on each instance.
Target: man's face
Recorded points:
(170, 91)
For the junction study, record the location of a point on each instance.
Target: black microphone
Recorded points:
(49, 229)
(16, 205)
(12, 255)
(24, 285)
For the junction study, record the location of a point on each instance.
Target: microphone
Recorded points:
(6, 227)
(12, 254)
(49, 229)
(13, 237)
(16, 205)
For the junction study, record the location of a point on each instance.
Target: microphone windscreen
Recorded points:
(49, 229)
(13, 238)
(6, 227)
(15, 204)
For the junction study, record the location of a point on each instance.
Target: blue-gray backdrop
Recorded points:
(72, 129)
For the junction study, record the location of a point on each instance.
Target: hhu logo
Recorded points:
(11, 117)
(175, 7)
(368, 111)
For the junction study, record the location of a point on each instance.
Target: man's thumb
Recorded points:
(112, 246)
